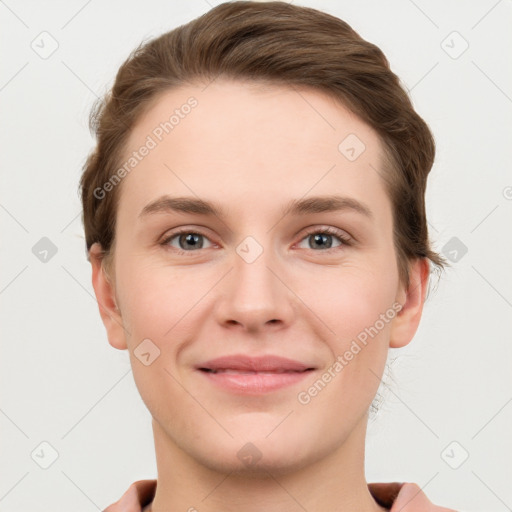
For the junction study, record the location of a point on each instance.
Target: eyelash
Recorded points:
(344, 239)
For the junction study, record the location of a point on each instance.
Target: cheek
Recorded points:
(162, 310)
(349, 299)
(157, 298)
(356, 305)
(157, 307)
(365, 314)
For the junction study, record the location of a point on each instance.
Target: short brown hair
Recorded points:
(276, 43)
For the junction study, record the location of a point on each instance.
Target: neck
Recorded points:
(336, 482)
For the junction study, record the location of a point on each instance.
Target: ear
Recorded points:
(105, 296)
(405, 324)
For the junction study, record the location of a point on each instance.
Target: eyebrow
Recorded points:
(315, 204)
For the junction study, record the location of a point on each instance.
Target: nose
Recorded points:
(255, 294)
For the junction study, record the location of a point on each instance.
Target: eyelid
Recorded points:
(166, 238)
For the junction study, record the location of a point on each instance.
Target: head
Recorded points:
(258, 109)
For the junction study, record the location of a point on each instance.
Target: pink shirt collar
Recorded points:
(396, 496)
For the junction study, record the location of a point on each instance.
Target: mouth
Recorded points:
(240, 374)
(252, 372)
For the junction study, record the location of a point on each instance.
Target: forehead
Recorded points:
(259, 108)
(231, 138)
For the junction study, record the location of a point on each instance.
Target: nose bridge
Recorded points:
(256, 295)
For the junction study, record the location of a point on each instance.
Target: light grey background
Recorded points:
(61, 381)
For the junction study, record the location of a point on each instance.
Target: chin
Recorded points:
(270, 464)
(256, 455)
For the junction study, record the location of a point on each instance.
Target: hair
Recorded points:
(271, 43)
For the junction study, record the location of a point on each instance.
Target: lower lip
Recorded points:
(255, 383)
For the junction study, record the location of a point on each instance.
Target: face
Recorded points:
(265, 315)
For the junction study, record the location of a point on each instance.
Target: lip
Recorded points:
(242, 374)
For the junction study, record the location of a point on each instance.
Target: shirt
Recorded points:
(396, 496)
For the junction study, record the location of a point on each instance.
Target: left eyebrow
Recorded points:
(320, 204)
(316, 204)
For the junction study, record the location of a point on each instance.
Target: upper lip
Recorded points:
(266, 363)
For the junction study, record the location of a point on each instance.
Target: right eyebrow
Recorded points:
(182, 205)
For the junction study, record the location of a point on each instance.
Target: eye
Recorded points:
(322, 238)
(187, 240)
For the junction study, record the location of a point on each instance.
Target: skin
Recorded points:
(252, 149)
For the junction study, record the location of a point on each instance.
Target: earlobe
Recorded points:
(406, 323)
(105, 296)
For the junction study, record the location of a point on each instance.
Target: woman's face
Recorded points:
(260, 277)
